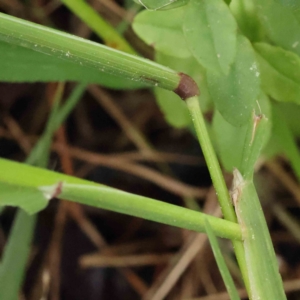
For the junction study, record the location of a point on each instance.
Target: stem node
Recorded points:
(187, 87)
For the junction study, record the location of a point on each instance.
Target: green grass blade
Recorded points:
(82, 191)
(39, 156)
(210, 32)
(153, 27)
(15, 255)
(15, 61)
(262, 265)
(231, 289)
(66, 108)
(105, 31)
(264, 278)
(256, 137)
(283, 137)
(86, 53)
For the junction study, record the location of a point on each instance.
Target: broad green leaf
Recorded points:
(280, 71)
(280, 23)
(235, 94)
(162, 30)
(294, 4)
(296, 13)
(162, 4)
(210, 31)
(230, 139)
(19, 64)
(174, 109)
(231, 289)
(291, 112)
(245, 13)
(282, 140)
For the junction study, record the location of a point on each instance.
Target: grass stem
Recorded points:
(217, 177)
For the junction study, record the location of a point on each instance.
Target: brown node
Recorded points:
(52, 191)
(57, 190)
(187, 87)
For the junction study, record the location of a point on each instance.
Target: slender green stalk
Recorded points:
(217, 178)
(66, 108)
(105, 31)
(228, 281)
(15, 255)
(82, 191)
(39, 156)
(80, 51)
(211, 159)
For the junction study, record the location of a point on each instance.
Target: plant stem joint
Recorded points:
(187, 87)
